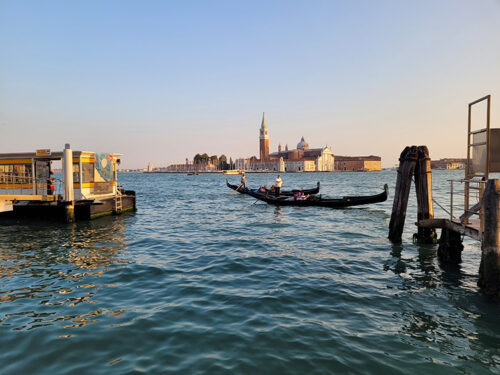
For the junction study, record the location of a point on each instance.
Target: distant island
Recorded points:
(301, 159)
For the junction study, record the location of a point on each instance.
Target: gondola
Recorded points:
(318, 201)
(287, 193)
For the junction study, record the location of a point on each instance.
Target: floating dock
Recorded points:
(88, 188)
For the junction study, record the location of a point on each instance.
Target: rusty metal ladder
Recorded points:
(118, 202)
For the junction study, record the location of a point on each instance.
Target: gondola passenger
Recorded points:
(302, 197)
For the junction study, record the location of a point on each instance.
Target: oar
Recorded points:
(238, 188)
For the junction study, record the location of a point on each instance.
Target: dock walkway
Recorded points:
(471, 229)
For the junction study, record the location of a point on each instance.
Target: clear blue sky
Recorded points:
(162, 80)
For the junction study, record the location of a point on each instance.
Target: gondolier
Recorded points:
(243, 180)
(278, 185)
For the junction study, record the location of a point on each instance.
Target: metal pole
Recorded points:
(488, 110)
(451, 200)
(468, 168)
(69, 208)
(68, 173)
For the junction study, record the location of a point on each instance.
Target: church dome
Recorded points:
(302, 145)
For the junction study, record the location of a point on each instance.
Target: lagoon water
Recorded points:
(201, 280)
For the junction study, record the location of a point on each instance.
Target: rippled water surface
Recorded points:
(204, 280)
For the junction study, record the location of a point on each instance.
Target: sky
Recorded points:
(160, 81)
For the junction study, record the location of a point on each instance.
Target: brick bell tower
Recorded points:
(264, 140)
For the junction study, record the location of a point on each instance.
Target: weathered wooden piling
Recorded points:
(423, 187)
(450, 247)
(407, 163)
(489, 269)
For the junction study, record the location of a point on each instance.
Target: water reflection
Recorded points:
(420, 325)
(452, 274)
(424, 318)
(396, 264)
(427, 274)
(418, 272)
(61, 266)
(278, 212)
(434, 323)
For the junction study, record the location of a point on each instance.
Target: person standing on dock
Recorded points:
(278, 185)
(50, 184)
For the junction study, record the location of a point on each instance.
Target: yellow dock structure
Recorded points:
(88, 186)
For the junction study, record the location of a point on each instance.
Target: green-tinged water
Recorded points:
(203, 281)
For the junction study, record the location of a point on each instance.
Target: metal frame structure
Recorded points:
(470, 174)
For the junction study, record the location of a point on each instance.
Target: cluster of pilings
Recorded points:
(414, 163)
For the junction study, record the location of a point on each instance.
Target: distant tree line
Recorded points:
(220, 162)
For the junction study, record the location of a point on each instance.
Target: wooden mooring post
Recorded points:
(413, 162)
(407, 162)
(489, 269)
(450, 246)
(423, 187)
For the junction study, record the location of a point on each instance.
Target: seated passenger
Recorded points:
(302, 197)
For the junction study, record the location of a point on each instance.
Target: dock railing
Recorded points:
(466, 201)
(25, 185)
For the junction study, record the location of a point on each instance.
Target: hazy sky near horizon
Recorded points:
(163, 80)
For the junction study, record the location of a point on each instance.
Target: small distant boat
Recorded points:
(288, 193)
(318, 201)
(193, 174)
(233, 171)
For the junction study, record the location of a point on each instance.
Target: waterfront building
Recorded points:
(190, 167)
(274, 165)
(358, 163)
(301, 159)
(242, 164)
(305, 159)
(449, 163)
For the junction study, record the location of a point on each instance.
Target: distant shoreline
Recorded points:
(247, 172)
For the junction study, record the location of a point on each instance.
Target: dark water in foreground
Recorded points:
(201, 280)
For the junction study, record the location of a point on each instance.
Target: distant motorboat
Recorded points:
(233, 171)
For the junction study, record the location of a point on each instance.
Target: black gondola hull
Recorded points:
(315, 201)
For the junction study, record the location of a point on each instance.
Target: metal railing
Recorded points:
(465, 199)
(12, 184)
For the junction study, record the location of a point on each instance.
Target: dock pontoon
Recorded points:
(87, 187)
